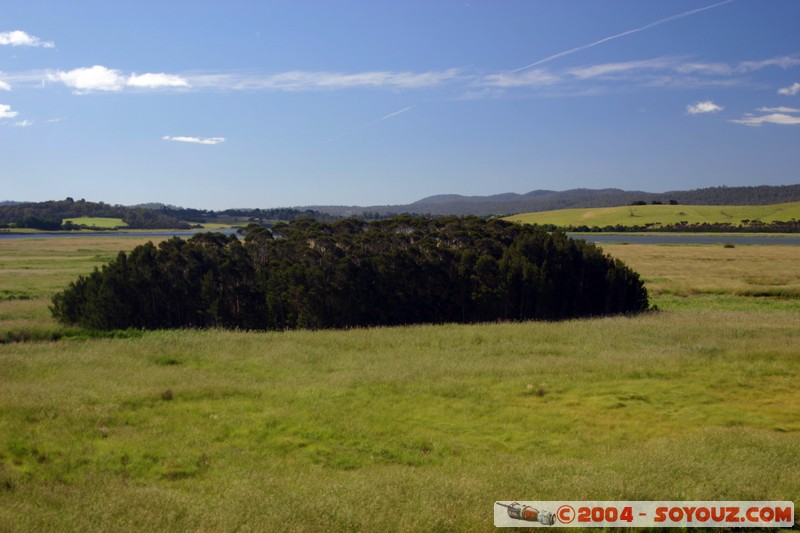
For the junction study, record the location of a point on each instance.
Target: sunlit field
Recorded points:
(408, 428)
(772, 271)
(639, 215)
(97, 222)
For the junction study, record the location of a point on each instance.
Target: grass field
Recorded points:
(215, 226)
(640, 215)
(410, 428)
(97, 222)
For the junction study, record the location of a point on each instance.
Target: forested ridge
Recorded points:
(544, 200)
(349, 273)
(49, 215)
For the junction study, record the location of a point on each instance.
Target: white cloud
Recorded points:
(371, 79)
(20, 38)
(24, 123)
(659, 72)
(5, 111)
(783, 62)
(195, 140)
(606, 69)
(776, 115)
(100, 78)
(530, 78)
(86, 79)
(678, 72)
(792, 90)
(4, 86)
(781, 109)
(665, 72)
(299, 80)
(703, 107)
(715, 69)
(154, 81)
(690, 82)
(773, 118)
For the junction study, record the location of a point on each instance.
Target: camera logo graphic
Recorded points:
(530, 514)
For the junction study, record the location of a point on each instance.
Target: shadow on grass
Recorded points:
(51, 334)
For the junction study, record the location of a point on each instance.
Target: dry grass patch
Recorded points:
(687, 270)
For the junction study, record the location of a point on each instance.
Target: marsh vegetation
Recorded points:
(225, 430)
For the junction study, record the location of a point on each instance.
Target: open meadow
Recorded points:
(640, 215)
(393, 429)
(97, 222)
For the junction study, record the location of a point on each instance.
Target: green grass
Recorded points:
(97, 222)
(213, 226)
(408, 428)
(640, 215)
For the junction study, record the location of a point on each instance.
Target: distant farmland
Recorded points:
(639, 215)
(97, 222)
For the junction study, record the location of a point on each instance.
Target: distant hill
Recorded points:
(544, 200)
(157, 215)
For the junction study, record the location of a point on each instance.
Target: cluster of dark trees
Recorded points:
(352, 273)
(232, 216)
(285, 214)
(34, 222)
(654, 202)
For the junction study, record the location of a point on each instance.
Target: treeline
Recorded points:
(352, 273)
(751, 195)
(746, 226)
(49, 215)
(286, 214)
(201, 216)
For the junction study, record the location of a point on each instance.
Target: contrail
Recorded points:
(370, 123)
(390, 115)
(623, 34)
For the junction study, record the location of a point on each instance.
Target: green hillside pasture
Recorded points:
(409, 428)
(639, 215)
(97, 222)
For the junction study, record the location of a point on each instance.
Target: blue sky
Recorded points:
(285, 103)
